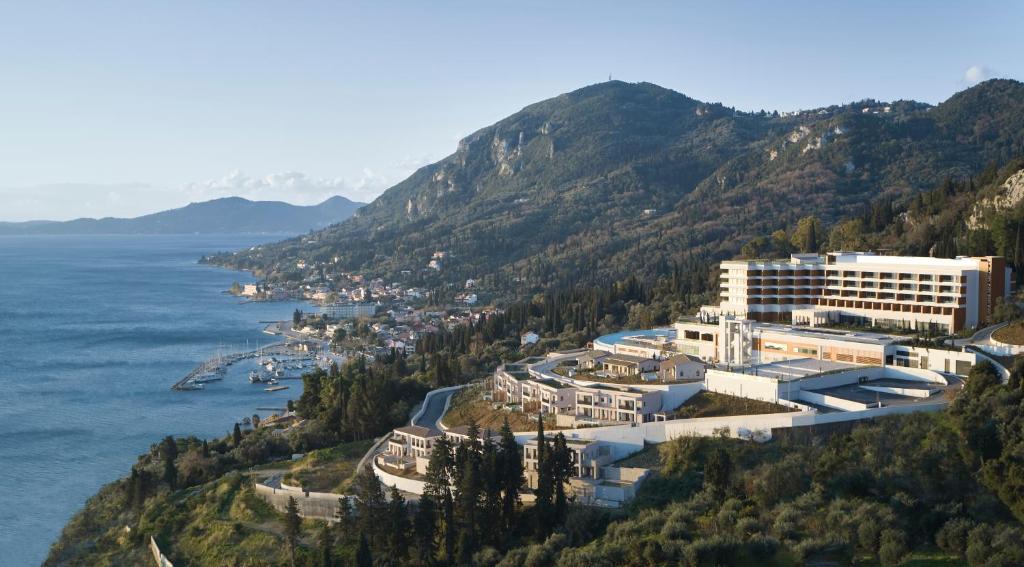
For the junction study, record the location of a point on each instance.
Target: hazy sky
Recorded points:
(124, 108)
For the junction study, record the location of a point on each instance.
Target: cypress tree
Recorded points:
(545, 484)
(292, 527)
(326, 545)
(511, 461)
(561, 465)
(236, 435)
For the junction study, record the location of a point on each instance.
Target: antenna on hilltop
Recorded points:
(609, 77)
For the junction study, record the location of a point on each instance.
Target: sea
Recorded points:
(94, 330)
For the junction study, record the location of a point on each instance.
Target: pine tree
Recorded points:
(425, 528)
(370, 504)
(345, 525)
(236, 435)
(206, 450)
(398, 525)
(363, 556)
(438, 486)
(292, 527)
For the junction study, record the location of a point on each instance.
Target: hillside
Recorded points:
(219, 216)
(617, 179)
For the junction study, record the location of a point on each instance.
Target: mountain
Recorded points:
(228, 215)
(619, 179)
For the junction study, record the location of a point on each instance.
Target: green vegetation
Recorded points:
(711, 404)
(1012, 333)
(467, 407)
(562, 192)
(328, 470)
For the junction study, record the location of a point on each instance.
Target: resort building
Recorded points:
(409, 448)
(594, 482)
(856, 288)
(548, 396)
(628, 365)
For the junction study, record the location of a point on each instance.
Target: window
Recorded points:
(806, 350)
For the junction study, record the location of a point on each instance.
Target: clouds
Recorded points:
(976, 74)
(291, 186)
(65, 201)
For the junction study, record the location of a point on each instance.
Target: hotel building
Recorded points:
(937, 294)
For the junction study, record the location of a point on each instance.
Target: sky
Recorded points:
(125, 108)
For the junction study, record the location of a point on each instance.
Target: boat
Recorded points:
(191, 385)
(275, 388)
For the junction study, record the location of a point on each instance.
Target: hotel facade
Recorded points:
(916, 293)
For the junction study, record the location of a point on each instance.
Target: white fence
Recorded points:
(158, 556)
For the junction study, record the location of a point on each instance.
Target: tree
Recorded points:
(545, 484)
(511, 460)
(561, 471)
(807, 236)
(292, 527)
(718, 472)
(438, 486)
(296, 318)
(169, 450)
(326, 544)
(424, 528)
(398, 525)
(346, 527)
(236, 435)
(370, 505)
(363, 556)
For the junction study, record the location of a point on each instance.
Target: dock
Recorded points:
(219, 364)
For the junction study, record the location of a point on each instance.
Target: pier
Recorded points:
(218, 365)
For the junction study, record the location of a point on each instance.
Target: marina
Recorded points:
(277, 361)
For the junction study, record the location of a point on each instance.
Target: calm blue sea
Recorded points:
(93, 331)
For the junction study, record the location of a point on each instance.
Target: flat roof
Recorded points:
(627, 358)
(418, 431)
(797, 368)
(861, 337)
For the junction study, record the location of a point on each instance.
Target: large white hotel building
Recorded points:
(938, 294)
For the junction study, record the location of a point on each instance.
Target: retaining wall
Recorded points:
(409, 485)
(314, 505)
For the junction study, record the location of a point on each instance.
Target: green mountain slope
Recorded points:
(616, 179)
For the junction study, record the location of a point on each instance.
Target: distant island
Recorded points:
(219, 216)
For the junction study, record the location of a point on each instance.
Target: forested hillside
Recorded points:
(617, 179)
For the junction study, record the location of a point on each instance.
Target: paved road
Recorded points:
(435, 402)
(982, 337)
